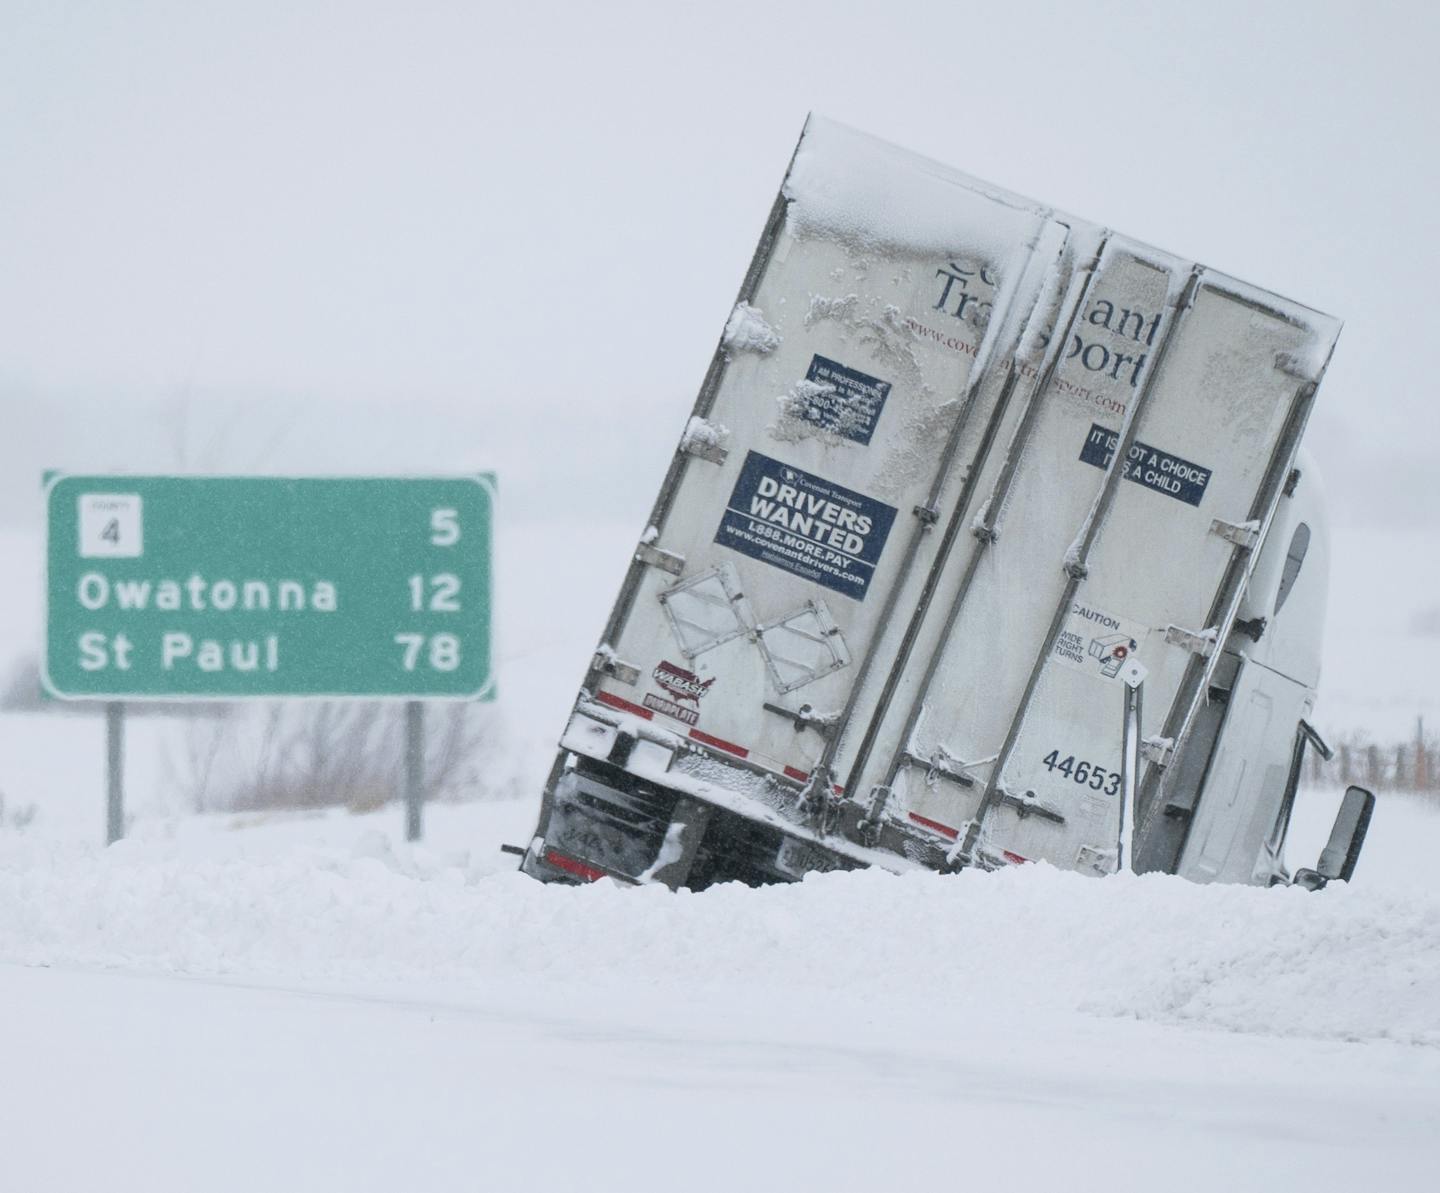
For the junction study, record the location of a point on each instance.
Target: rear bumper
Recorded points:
(601, 821)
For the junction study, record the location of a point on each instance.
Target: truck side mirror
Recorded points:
(1342, 851)
(1352, 822)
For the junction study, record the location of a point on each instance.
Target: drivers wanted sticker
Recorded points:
(802, 523)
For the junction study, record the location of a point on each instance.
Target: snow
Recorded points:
(357, 1089)
(817, 410)
(335, 896)
(871, 194)
(978, 522)
(701, 433)
(672, 849)
(1061, 291)
(308, 1002)
(1072, 552)
(747, 330)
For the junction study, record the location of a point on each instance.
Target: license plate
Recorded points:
(798, 858)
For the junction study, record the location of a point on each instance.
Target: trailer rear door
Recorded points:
(854, 390)
(1143, 478)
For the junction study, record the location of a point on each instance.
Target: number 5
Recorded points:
(444, 528)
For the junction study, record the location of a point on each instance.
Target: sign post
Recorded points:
(414, 768)
(257, 588)
(114, 771)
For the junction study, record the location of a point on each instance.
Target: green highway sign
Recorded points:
(231, 588)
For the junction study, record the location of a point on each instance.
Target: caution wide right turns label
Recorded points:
(1097, 642)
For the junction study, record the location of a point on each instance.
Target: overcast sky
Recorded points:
(419, 235)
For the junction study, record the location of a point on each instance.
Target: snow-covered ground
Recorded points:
(142, 1083)
(304, 1002)
(334, 897)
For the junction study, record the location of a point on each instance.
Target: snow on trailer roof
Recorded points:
(873, 194)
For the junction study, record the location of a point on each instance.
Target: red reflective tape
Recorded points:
(624, 705)
(709, 739)
(719, 743)
(803, 776)
(943, 829)
(561, 862)
(1013, 858)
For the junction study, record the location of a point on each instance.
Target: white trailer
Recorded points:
(970, 486)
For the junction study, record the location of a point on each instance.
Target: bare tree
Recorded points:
(330, 754)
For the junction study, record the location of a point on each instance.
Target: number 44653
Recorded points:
(1087, 774)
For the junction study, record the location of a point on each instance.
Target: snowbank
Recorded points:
(1346, 964)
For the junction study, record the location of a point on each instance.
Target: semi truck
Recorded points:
(989, 540)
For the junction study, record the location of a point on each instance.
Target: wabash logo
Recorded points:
(682, 685)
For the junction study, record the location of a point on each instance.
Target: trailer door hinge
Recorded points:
(655, 557)
(1292, 482)
(705, 449)
(868, 828)
(805, 718)
(606, 663)
(941, 765)
(1244, 535)
(1158, 750)
(1027, 803)
(1096, 860)
(1202, 643)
